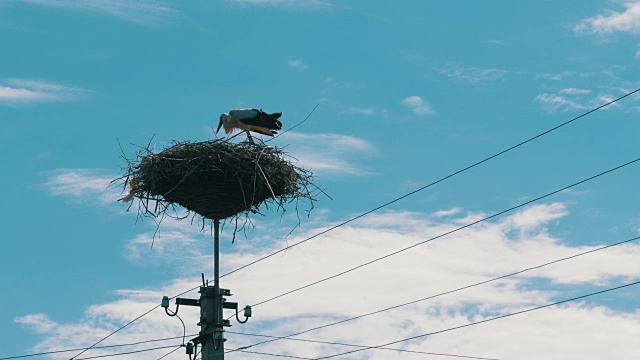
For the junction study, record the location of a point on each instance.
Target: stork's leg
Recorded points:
(249, 138)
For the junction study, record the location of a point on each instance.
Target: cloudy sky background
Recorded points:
(407, 93)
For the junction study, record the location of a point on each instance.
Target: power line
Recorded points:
(482, 321)
(268, 354)
(449, 292)
(128, 353)
(362, 346)
(435, 182)
(296, 125)
(444, 234)
(95, 347)
(125, 325)
(275, 355)
(169, 353)
(120, 328)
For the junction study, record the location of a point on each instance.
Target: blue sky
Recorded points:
(407, 92)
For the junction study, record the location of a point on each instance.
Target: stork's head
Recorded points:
(223, 120)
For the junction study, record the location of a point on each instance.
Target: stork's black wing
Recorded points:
(262, 119)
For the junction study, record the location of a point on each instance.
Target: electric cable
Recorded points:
(268, 354)
(128, 353)
(127, 324)
(275, 355)
(95, 347)
(483, 321)
(434, 182)
(295, 126)
(169, 353)
(363, 346)
(448, 292)
(445, 234)
(118, 329)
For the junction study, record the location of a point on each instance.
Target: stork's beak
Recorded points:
(219, 126)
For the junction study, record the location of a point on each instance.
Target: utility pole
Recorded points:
(211, 303)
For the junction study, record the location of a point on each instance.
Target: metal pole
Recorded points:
(216, 254)
(211, 328)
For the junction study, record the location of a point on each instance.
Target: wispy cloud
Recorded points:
(463, 258)
(417, 105)
(574, 91)
(474, 75)
(286, 3)
(552, 76)
(297, 64)
(613, 21)
(569, 99)
(40, 323)
(83, 184)
(329, 153)
(22, 91)
(495, 42)
(144, 12)
(443, 213)
(362, 111)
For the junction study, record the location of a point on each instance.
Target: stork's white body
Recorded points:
(250, 120)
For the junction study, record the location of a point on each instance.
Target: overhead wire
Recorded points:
(444, 234)
(128, 352)
(169, 353)
(448, 292)
(270, 354)
(296, 125)
(125, 325)
(362, 346)
(95, 347)
(433, 183)
(482, 321)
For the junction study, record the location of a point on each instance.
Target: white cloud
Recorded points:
(552, 102)
(495, 42)
(22, 91)
(551, 76)
(38, 323)
(334, 87)
(474, 75)
(466, 257)
(87, 184)
(362, 111)
(537, 215)
(335, 154)
(417, 105)
(625, 21)
(442, 213)
(570, 99)
(286, 3)
(574, 91)
(145, 12)
(297, 64)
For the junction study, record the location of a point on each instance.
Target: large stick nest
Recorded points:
(216, 179)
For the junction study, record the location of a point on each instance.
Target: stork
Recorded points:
(250, 120)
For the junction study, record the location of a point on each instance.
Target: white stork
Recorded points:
(250, 120)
